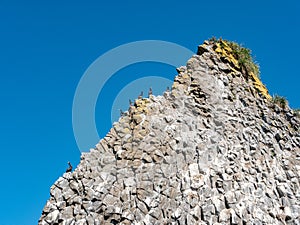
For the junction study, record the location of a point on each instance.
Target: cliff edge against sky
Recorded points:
(215, 149)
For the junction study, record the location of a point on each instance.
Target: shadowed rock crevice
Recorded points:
(213, 150)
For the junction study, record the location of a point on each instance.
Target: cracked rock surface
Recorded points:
(213, 150)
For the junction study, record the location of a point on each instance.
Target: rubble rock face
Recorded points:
(213, 150)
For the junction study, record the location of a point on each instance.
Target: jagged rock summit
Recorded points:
(213, 150)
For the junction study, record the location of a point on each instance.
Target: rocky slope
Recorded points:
(213, 150)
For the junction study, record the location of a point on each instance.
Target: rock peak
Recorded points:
(238, 59)
(212, 150)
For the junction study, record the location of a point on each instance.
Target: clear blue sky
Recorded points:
(46, 46)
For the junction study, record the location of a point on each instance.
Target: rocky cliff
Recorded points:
(213, 150)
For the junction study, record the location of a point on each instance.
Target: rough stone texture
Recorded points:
(213, 150)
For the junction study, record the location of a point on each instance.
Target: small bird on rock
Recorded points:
(121, 112)
(150, 92)
(70, 168)
(141, 95)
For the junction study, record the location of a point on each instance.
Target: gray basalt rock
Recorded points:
(213, 150)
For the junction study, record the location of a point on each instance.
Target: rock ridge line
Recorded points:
(213, 150)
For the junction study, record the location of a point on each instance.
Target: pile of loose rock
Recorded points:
(213, 150)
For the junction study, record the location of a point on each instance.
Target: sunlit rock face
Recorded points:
(212, 150)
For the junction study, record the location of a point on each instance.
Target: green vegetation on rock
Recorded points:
(280, 101)
(242, 54)
(244, 58)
